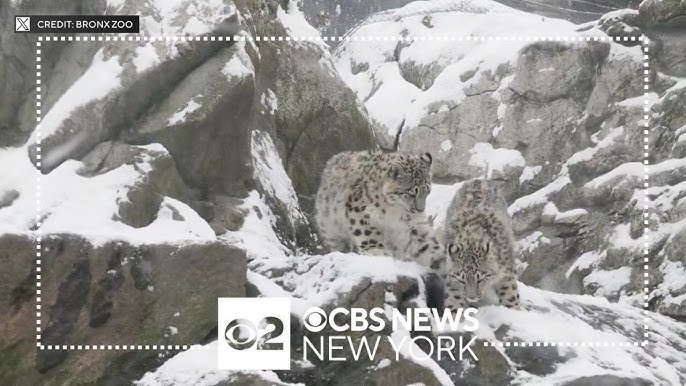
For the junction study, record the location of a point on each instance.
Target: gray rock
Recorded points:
(543, 132)
(110, 294)
(227, 214)
(316, 111)
(336, 18)
(463, 126)
(620, 24)
(8, 197)
(661, 12)
(547, 71)
(210, 145)
(17, 64)
(160, 178)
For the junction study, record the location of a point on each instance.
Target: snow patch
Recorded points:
(269, 101)
(240, 65)
(145, 57)
(608, 283)
(271, 173)
(588, 153)
(446, 145)
(484, 156)
(586, 261)
(180, 116)
(538, 197)
(99, 80)
(529, 172)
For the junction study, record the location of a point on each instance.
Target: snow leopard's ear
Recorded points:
(427, 158)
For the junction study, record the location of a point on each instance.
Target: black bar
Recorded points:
(75, 24)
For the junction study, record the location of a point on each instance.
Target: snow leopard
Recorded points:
(480, 247)
(372, 202)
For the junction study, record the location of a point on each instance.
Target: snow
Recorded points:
(391, 98)
(484, 156)
(184, 17)
(180, 116)
(438, 201)
(446, 145)
(585, 261)
(532, 242)
(294, 21)
(570, 215)
(100, 79)
(394, 91)
(663, 198)
(588, 153)
(65, 192)
(271, 173)
(538, 197)
(609, 282)
(197, 366)
(640, 101)
(145, 57)
(240, 65)
(545, 316)
(672, 285)
(529, 172)
(269, 101)
(636, 171)
(629, 169)
(550, 209)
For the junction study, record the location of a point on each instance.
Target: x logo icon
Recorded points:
(22, 24)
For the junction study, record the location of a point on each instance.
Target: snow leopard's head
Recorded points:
(408, 181)
(469, 270)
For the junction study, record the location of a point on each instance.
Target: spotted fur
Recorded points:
(373, 203)
(480, 247)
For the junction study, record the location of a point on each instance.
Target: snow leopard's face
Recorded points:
(468, 270)
(409, 182)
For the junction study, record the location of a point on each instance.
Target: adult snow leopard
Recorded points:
(480, 247)
(373, 202)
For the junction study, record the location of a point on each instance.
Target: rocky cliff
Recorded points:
(175, 171)
(560, 124)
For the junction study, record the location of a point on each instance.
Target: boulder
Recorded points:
(111, 294)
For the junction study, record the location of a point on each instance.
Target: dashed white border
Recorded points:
(646, 82)
(646, 185)
(243, 38)
(38, 186)
(514, 343)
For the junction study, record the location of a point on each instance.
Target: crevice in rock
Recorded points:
(399, 133)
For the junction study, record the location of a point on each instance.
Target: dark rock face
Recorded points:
(17, 64)
(115, 293)
(663, 22)
(315, 108)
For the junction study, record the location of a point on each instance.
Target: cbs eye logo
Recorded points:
(315, 319)
(241, 334)
(254, 333)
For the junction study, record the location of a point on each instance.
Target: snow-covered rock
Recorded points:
(150, 148)
(561, 123)
(175, 172)
(612, 334)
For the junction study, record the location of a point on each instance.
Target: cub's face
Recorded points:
(468, 268)
(409, 182)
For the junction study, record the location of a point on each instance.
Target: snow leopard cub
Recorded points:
(480, 247)
(372, 202)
